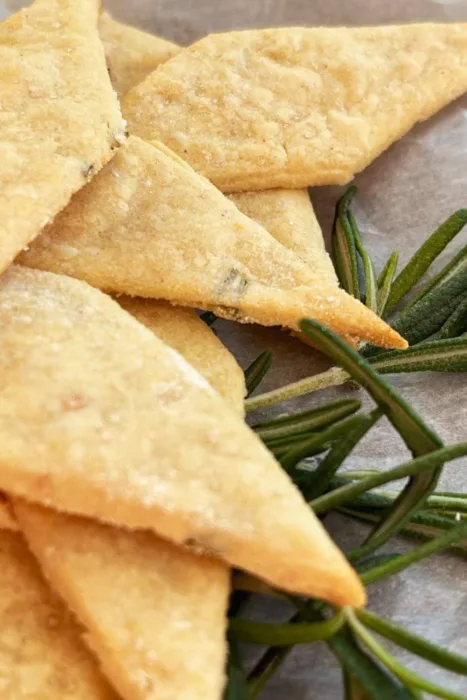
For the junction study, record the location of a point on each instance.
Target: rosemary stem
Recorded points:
(335, 376)
(455, 534)
(405, 675)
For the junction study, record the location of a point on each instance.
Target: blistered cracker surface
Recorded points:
(59, 116)
(131, 54)
(288, 216)
(149, 226)
(42, 656)
(155, 615)
(296, 107)
(100, 418)
(182, 329)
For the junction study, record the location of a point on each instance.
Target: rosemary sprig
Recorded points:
(371, 285)
(237, 688)
(315, 443)
(274, 431)
(418, 437)
(372, 672)
(364, 677)
(428, 315)
(414, 643)
(438, 312)
(455, 325)
(425, 462)
(385, 280)
(424, 257)
(286, 634)
(422, 526)
(404, 674)
(449, 355)
(432, 356)
(344, 248)
(256, 372)
(319, 480)
(453, 535)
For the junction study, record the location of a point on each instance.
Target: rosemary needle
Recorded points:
(256, 372)
(425, 256)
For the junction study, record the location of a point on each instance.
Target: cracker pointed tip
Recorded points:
(353, 593)
(392, 339)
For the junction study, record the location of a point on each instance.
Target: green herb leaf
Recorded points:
(417, 436)
(237, 688)
(293, 454)
(455, 325)
(321, 477)
(369, 275)
(454, 534)
(344, 252)
(422, 526)
(385, 282)
(371, 677)
(352, 688)
(373, 561)
(405, 675)
(453, 268)
(430, 461)
(266, 667)
(414, 643)
(438, 356)
(272, 431)
(427, 316)
(285, 634)
(255, 373)
(424, 257)
(332, 377)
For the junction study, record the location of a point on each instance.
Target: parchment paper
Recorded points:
(402, 198)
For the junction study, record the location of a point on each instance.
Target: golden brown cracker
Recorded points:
(41, 654)
(60, 118)
(294, 107)
(155, 615)
(7, 519)
(131, 54)
(288, 215)
(149, 226)
(100, 418)
(183, 330)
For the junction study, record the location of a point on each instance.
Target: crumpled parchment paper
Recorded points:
(402, 198)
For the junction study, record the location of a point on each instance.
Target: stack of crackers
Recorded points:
(139, 182)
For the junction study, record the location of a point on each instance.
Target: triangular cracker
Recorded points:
(184, 331)
(131, 54)
(293, 107)
(149, 226)
(100, 418)
(41, 653)
(155, 615)
(288, 216)
(60, 119)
